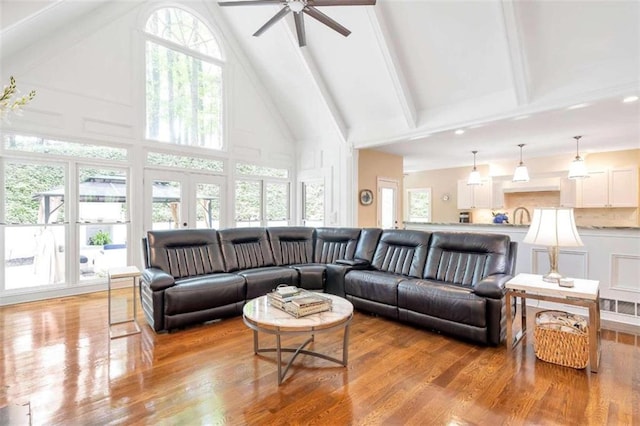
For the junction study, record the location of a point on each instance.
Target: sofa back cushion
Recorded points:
(291, 245)
(464, 258)
(402, 252)
(332, 244)
(245, 248)
(184, 252)
(367, 243)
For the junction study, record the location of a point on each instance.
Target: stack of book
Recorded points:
(298, 303)
(282, 295)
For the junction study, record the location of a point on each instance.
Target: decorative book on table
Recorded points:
(300, 303)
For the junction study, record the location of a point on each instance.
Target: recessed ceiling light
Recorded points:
(578, 106)
(459, 132)
(629, 99)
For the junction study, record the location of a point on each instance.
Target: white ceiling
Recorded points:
(413, 71)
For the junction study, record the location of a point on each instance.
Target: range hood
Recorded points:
(534, 185)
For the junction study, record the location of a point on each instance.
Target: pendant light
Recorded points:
(578, 169)
(474, 176)
(521, 174)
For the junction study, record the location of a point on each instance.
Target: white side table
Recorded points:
(584, 293)
(122, 273)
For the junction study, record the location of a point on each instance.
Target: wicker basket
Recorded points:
(561, 338)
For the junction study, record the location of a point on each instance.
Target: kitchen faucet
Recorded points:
(523, 210)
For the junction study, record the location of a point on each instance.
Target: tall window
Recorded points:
(183, 80)
(261, 196)
(418, 205)
(313, 203)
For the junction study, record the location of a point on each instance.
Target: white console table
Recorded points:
(584, 293)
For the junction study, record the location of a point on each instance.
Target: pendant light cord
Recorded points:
(521, 145)
(577, 138)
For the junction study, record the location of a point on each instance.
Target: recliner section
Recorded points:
(185, 281)
(446, 281)
(399, 254)
(462, 288)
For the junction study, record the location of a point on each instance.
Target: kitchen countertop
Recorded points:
(512, 225)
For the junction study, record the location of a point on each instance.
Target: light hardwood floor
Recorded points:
(59, 364)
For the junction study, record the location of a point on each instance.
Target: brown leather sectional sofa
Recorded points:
(445, 281)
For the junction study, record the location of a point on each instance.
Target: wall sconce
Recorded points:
(521, 174)
(474, 176)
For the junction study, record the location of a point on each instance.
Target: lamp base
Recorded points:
(557, 278)
(552, 277)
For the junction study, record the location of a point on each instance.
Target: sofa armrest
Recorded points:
(492, 286)
(157, 279)
(354, 263)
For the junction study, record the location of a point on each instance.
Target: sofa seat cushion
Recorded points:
(204, 292)
(311, 276)
(377, 286)
(261, 281)
(447, 301)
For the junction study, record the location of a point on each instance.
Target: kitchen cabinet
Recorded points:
(474, 196)
(610, 188)
(497, 195)
(568, 193)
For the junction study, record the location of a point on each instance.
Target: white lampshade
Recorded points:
(578, 169)
(521, 174)
(553, 227)
(474, 178)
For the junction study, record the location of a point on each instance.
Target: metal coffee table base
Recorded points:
(300, 349)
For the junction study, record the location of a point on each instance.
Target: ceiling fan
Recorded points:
(298, 7)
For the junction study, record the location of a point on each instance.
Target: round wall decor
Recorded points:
(366, 197)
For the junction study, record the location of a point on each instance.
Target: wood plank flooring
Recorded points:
(57, 360)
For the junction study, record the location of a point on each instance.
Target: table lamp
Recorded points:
(554, 228)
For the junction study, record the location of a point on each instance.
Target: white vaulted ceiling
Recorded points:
(414, 71)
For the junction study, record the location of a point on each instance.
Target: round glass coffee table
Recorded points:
(261, 317)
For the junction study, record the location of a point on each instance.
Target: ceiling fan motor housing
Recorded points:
(296, 5)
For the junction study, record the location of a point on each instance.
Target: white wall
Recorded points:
(89, 76)
(90, 82)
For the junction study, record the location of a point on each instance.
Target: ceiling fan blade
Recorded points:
(302, 38)
(278, 16)
(341, 2)
(316, 14)
(248, 2)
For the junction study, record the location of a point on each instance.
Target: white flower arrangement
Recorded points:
(7, 104)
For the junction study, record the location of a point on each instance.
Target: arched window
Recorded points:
(183, 80)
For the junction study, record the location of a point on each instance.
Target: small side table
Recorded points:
(121, 273)
(584, 293)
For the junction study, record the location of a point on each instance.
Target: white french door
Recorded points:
(387, 203)
(179, 199)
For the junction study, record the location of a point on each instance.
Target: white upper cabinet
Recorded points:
(474, 196)
(568, 193)
(497, 197)
(610, 188)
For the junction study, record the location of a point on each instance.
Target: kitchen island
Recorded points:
(611, 255)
